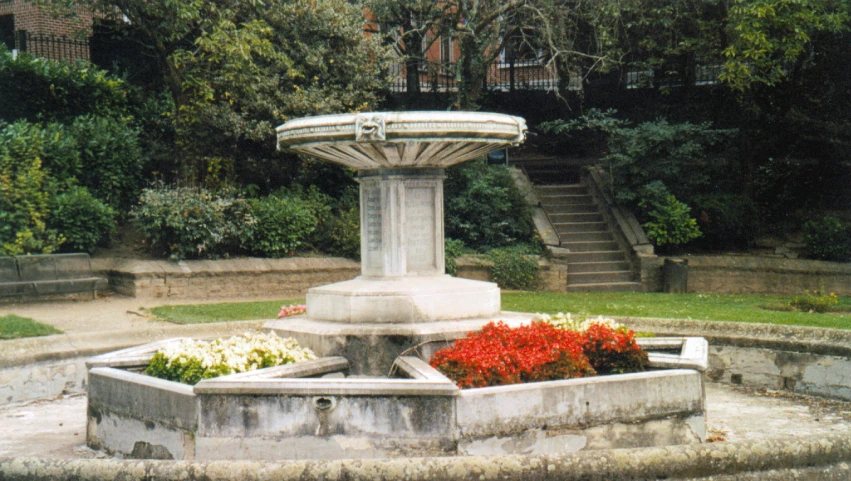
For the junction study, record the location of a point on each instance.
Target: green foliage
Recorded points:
(110, 159)
(585, 135)
(281, 225)
(815, 301)
(220, 312)
(186, 223)
(23, 198)
(670, 223)
(16, 327)
(767, 36)
(38, 89)
(682, 156)
(453, 249)
(81, 219)
(726, 220)
(341, 233)
(513, 269)
(828, 239)
(483, 207)
(234, 69)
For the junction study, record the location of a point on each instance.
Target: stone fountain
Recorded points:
(373, 393)
(403, 296)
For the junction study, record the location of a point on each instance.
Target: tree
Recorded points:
(235, 68)
(573, 36)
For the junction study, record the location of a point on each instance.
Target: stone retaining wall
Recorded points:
(293, 276)
(766, 275)
(223, 278)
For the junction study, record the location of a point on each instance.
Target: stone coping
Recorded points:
(768, 264)
(145, 269)
(813, 457)
(815, 340)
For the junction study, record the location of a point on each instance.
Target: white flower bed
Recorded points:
(191, 361)
(579, 323)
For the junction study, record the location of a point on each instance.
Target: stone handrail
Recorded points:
(628, 232)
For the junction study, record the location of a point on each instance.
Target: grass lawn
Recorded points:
(227, 311)
(714, 307)
(16, 327)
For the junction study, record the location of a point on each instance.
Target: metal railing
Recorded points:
(52, 47)
(504, 76)
(533, 75)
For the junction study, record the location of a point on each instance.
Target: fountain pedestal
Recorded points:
(400, 158)
(402, 261)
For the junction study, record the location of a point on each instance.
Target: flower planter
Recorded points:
(289, 412)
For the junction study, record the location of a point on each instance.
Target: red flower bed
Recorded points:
(499, 355)
(613, 351)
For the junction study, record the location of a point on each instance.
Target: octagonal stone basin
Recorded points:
(388, 140)
(290, 412)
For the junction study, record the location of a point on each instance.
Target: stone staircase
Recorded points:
(595, 261)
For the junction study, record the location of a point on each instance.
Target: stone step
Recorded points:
(606, 287)
(569, 237)
(570, 189)
(590, 246)
(554, 200)
(589, 256)
(598, 277)
(571, 209)
(606, 266)
(576, 218)
(551, 175)
(576, 227)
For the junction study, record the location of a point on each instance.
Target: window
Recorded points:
(7, 31)
(446, 49)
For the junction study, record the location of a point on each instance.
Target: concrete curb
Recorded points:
(810, 458)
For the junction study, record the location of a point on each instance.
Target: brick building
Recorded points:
(26, 27)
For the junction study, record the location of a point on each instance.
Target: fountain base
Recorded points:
(403, 300)
(371, 348)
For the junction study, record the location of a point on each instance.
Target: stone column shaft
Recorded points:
(401, 222)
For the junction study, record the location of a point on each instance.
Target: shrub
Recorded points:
(670, 223)
(282, 224)
(512, 269)
(726, 220)
(682, 157)
(61, 152)
(828, 239)
(23, 199)
(452, 250)
(586, 135)
(483, 207)
(338, 232)
(81, 219)
(40, 89)
(815, 301)
(342, 233)
(191, 361)
(192, 223)
(499, 355)
(613, 350)
(110, 159)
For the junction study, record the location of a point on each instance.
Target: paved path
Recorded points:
(110, 313)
